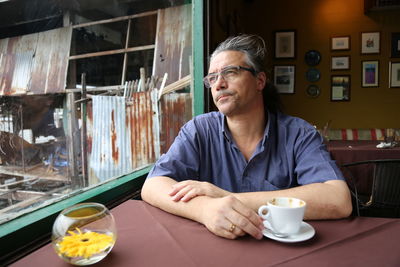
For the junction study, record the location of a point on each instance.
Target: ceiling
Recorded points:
(18, 17)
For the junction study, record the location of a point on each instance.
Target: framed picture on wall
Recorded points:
(340, 63)
(394, 74)
(284, 78)
(285, 44)
(340, 43)
(340, 88)
(370, 42)
(370, 73)
(395, 44)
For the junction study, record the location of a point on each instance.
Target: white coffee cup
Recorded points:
(283, 215)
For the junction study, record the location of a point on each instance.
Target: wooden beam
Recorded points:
(149, 13)
(113, 52)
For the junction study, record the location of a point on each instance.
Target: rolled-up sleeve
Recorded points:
(181, 162)
(313, 161)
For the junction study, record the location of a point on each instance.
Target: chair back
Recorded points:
(384, 200)
(386, 183)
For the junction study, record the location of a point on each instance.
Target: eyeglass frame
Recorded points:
(217, 74)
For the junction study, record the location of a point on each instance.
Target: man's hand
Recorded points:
(186, 190)
(222, 213)
(228, 217)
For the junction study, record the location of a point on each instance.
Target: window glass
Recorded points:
(143, 31)
(100, 70)
(100, 37)
(137, 60)
(61, 134)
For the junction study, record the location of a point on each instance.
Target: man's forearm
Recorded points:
(222, 214)
(329, 200)
(156, 190)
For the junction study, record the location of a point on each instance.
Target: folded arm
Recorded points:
(328, 200)
(218, 211)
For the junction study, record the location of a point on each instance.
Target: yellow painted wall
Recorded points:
(315, 22)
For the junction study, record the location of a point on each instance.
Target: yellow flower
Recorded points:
(84, 244)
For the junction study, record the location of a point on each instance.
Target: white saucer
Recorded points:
(305, 233)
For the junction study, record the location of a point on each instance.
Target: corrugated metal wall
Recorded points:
(121, 135)
(176, 110)
(35, 63)
(173, 43)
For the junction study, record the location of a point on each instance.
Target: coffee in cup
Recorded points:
(283, 215)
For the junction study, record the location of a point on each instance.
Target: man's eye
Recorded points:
(230, 73)
(212, 78)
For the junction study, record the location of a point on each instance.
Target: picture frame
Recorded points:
(340, 43)
(370, 73)
(394, 74)
(370, 42)
(395, 44)
(284, 78)
(340, 63)
(340, 87)
(285, 44)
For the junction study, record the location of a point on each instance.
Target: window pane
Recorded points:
(100, 37)
(137, 60)
(34, 156)
(143, 31)
(100, 71)
(41, 133)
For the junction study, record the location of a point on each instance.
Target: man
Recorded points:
(224, 165)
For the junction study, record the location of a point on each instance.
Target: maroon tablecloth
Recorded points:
(148, 236)
(352, 151)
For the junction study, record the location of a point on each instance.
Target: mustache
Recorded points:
(222, 93)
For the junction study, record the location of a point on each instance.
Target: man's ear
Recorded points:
(261, 80)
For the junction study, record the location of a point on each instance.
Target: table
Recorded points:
(352, 151)
(148, 236)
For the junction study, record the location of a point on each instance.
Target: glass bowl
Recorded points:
(84, 234)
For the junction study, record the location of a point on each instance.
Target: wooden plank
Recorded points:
(72, 135)
(113, 52)
(149, 13)
(128, 31)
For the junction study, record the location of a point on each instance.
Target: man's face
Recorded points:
(239, 94)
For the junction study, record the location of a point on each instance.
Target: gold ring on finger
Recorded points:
(232, 228)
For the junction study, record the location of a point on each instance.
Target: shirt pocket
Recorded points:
(278, 182)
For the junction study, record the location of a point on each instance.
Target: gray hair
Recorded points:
(253, 46)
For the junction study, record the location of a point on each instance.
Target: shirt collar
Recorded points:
(267, 131)
(224, 129)
(268, 128)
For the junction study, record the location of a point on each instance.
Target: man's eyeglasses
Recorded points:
(228, 74)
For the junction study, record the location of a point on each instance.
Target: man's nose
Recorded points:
(220, 83)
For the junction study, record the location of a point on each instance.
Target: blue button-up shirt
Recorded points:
(291, 153)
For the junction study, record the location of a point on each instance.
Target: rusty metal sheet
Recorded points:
(108, 138)
(19, 68)
(176, 110)
(120, 135)
(35, 63)
(173, 43)
(141, 128)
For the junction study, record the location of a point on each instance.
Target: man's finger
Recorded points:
(246, 220)
(249, 214)
(181, 193)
